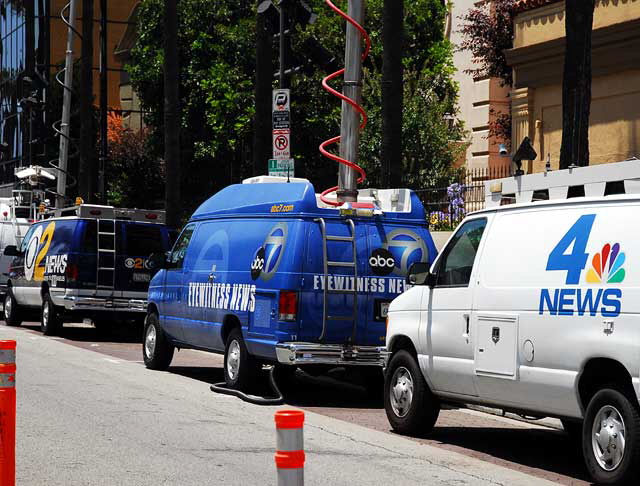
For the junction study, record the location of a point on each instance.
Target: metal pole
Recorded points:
(103, 100)
(171, 115)
(282, 43)
(66, 110)
(350, 124)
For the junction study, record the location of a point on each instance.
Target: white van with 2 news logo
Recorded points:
(533, 309)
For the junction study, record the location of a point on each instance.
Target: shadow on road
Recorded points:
(206, 374)
(118, 333)
(547, 450)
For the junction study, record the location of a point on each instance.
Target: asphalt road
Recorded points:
(89, 412)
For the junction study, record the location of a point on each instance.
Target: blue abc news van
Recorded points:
(86, 261)
(264, 272)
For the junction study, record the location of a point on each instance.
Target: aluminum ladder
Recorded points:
(106, 252)
(327, 264)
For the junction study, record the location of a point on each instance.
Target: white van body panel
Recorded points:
(10, 234)
(538, 314)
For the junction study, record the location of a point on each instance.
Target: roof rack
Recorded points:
(95, 211)
(589, 181)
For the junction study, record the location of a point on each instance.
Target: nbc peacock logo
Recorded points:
(607, 265)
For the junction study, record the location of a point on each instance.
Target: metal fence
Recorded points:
(447, 206)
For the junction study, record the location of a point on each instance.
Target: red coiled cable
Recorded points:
(356, 106)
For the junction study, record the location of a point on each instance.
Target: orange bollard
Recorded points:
(290, 447)
(7, 413)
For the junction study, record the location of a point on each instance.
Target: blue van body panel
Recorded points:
(252, 241)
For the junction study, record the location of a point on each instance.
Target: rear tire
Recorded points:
(412, 409)
(12, 311)
(240, 368)
(157, 351)
(50, 318)
(610, 437)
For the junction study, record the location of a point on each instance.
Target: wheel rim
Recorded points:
(7, 307)
(45, 315)
(608, 438)
(150, 341)
(401, 391)
(233, 359)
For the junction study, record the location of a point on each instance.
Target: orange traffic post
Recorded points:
(290, 447)
(7, 413)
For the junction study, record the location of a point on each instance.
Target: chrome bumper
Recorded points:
(330, 354)
(73, 302)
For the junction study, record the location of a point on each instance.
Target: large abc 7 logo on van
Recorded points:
(267, 258)
(406, 248)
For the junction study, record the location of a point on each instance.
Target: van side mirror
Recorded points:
(11, 250)
(158, 260)
(419, 274)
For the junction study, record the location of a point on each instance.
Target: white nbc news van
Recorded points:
(533, 308)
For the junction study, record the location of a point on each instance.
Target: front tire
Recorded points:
(50, 319)
(412, 409)
(240, 368)
(610, 441)
(12, 312)
(157, 351)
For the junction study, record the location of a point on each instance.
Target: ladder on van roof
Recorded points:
(344, 264)
(106, 254)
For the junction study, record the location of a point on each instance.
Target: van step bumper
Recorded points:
(105, 303)
(331, 354)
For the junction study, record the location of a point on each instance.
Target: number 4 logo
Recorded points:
(573, 263)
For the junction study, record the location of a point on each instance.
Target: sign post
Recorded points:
(281, 165)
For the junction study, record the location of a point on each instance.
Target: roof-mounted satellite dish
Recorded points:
(34, 174)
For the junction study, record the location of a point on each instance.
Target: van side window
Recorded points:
(180, 249)
(454, 268)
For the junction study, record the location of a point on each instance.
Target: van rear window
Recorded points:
(143, 239)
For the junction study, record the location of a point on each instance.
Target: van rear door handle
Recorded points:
(212, 277)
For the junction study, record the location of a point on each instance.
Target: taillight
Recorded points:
(288, 305)
(151, 216)
(72, 273)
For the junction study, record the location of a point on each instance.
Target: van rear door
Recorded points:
(136, 241)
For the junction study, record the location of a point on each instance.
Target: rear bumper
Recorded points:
(76, 301)
(330, 354)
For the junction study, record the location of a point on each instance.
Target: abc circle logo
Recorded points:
(382, 262)
(257, 265)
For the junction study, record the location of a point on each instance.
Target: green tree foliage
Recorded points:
(136, 176)
(216, 51)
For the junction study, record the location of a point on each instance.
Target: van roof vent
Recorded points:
(593, 181)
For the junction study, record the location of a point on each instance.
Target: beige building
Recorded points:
(537, 59)
(118, 13)
(478, 97)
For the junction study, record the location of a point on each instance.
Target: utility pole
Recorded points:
(576, 84)
(103, 101)
(262, 121)
(87, 171)
(65, 127)
(392, 91)
(171, 114)
(350, 123)
(284, 44)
